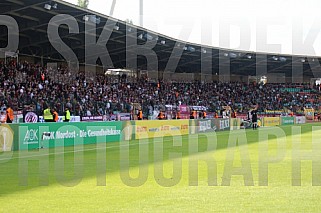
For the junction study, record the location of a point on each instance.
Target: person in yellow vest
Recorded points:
(55, 115)
(10, 115)
(67, 115)
(47, 114)
(140, 115)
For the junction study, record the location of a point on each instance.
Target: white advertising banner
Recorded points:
(60, 119)
(300, 119)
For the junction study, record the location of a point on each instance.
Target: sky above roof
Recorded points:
(287, 26)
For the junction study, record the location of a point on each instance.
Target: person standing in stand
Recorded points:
(204, 114)
(161, 116)
(47, 114)
(3, 117)
(140, 115)
(233, 114)
(200, 115)
(178, 115)
(55, 115)
(10, 115)
(192, 114)
(67, 115)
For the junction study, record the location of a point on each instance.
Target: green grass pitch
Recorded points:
(103, 186)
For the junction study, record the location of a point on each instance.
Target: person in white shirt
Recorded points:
(3, 117)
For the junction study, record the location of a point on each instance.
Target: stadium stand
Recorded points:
(30, 86)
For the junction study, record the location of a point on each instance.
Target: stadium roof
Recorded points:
(33, 17)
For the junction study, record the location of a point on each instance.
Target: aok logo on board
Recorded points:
(31, 136)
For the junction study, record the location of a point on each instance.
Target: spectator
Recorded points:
(23, 85)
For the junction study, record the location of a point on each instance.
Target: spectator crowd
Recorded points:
(26, 86)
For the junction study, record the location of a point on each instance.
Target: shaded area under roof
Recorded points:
(172, 55)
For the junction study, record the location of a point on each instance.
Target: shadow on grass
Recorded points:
(11, 176)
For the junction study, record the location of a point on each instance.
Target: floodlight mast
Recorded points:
(141, 11)
(111, 13)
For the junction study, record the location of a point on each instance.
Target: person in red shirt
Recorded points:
(55, 115)
(140, 115)
(161, 116)
(204, 115)
(10, 115)
(178, 115)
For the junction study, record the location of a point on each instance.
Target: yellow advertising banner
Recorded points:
(271, 121)
(161, 128)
